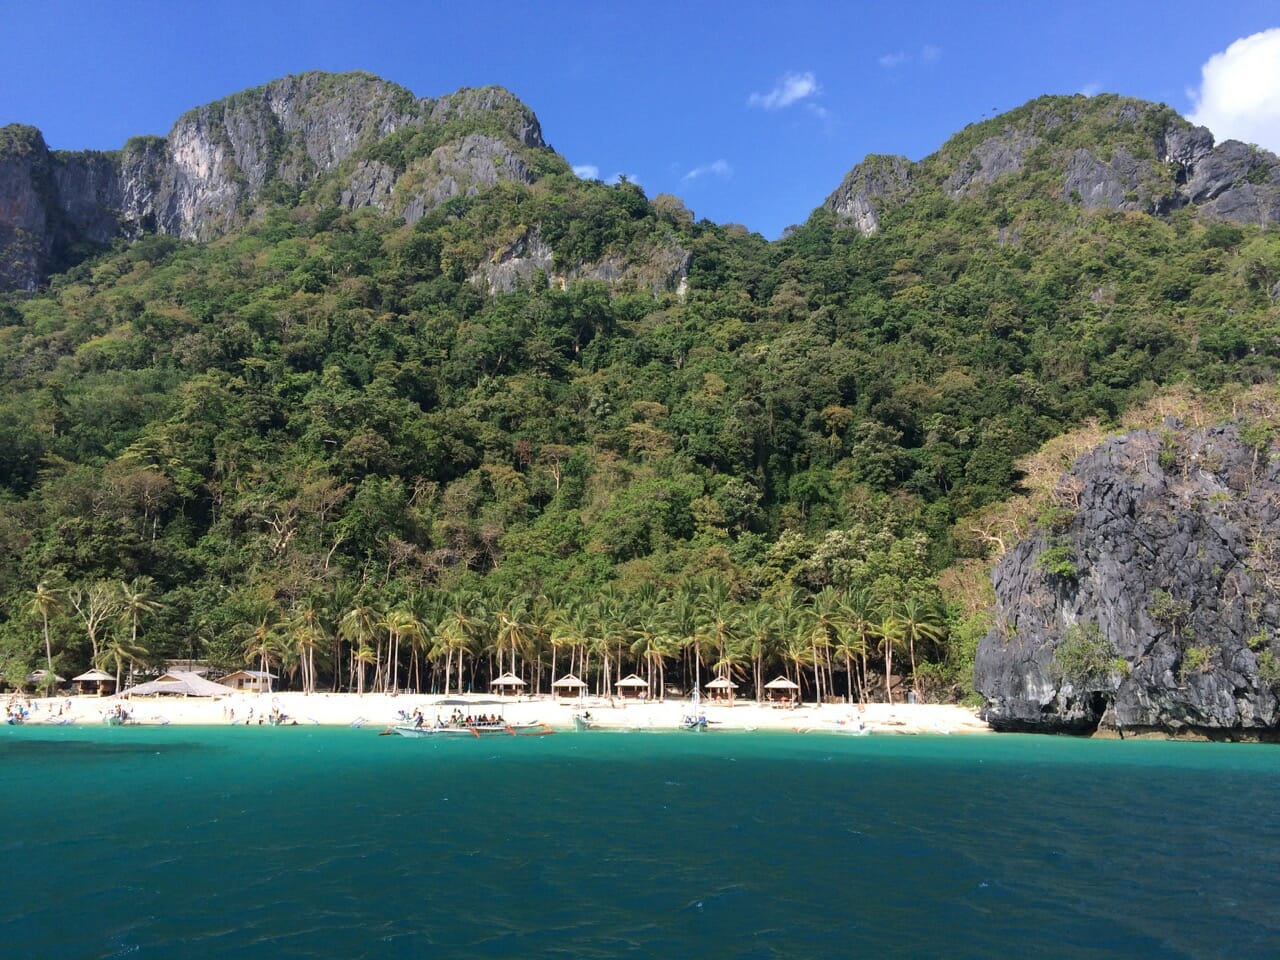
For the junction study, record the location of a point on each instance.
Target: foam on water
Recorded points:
(316, 842)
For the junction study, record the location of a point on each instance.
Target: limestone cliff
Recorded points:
(1149, 602)
(366, 141)
(1104, 152)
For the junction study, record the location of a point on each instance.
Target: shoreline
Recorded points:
(383, 710)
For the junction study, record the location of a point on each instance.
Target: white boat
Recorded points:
(583, 721)
(498, 728)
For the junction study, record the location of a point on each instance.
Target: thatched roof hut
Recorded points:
(94, 681)
(180, 683)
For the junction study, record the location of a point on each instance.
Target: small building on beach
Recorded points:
(783, 690)
(722, 688)
(180, 683)
(632, 687)
(250, 681)
(569, 687)
(507, 683)
(95, 681)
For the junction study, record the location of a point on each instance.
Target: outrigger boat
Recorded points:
(583, 721)
(497, 728)
(694, 721)
(459, 725)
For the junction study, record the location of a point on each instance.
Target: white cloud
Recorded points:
(586, 171)
(792, 88)
(927, 54)
(1091, 89)
(717, 168)
(1239, 95)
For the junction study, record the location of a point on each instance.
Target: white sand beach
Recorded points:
(382, 710)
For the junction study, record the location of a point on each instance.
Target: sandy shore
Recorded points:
(374, 710)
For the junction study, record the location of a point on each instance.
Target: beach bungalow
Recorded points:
(632, 688)
(180, 683)
(783, 690)
(722, 688)
(252, 681)
(37, 678)
(94, 681)
(506, 684)
(569, 687)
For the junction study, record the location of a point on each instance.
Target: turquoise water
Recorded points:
(308, 842)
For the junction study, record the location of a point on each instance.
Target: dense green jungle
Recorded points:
(321, 443)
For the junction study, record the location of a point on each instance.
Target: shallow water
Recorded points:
(310, 842)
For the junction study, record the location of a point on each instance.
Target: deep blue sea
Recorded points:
(311, 842)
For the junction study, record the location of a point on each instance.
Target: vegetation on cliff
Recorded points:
(322, 437)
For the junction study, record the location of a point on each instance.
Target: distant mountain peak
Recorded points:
(372, 142)
(1102, 152)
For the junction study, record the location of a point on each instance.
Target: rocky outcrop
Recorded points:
(660, 267)
(870, 186)
(1105, 152)
(221, 160)
(1151, 604)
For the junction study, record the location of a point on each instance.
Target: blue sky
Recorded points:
(751, 112)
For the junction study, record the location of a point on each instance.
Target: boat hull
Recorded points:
(475, 731)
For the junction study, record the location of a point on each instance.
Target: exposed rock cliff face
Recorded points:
(220, 160)
(661, 267)
(868, 187)
(1152, 607)
(1104, 152)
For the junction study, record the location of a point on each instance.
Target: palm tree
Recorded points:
(116, 649)
(357, 626)
(264, 646)
(759, 626)
(719, 617)
(45, 601)
(919, 621)
(825, 622)
(857, 614)
(400, 624)
(136, 600)
(308, 630)
(889, 630)
(362, 657)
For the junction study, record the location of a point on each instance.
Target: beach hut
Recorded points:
(180, 683)
(507, 683)
(783, 689)
(632, 687)
(38, 678)
(722, 688)
(94, 681)
(568, 687)
(253, 681)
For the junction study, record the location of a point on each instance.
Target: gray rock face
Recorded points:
(1107, 153)
(868, 187)
(207, 175)
(662, 268)
(1099, 184)
(992, 158)
(1153, 607)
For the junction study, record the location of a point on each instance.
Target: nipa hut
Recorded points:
(783, 689)
(94, 681)
(632, 687)
(507, 683)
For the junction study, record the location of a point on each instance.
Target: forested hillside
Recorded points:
(559, 420)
